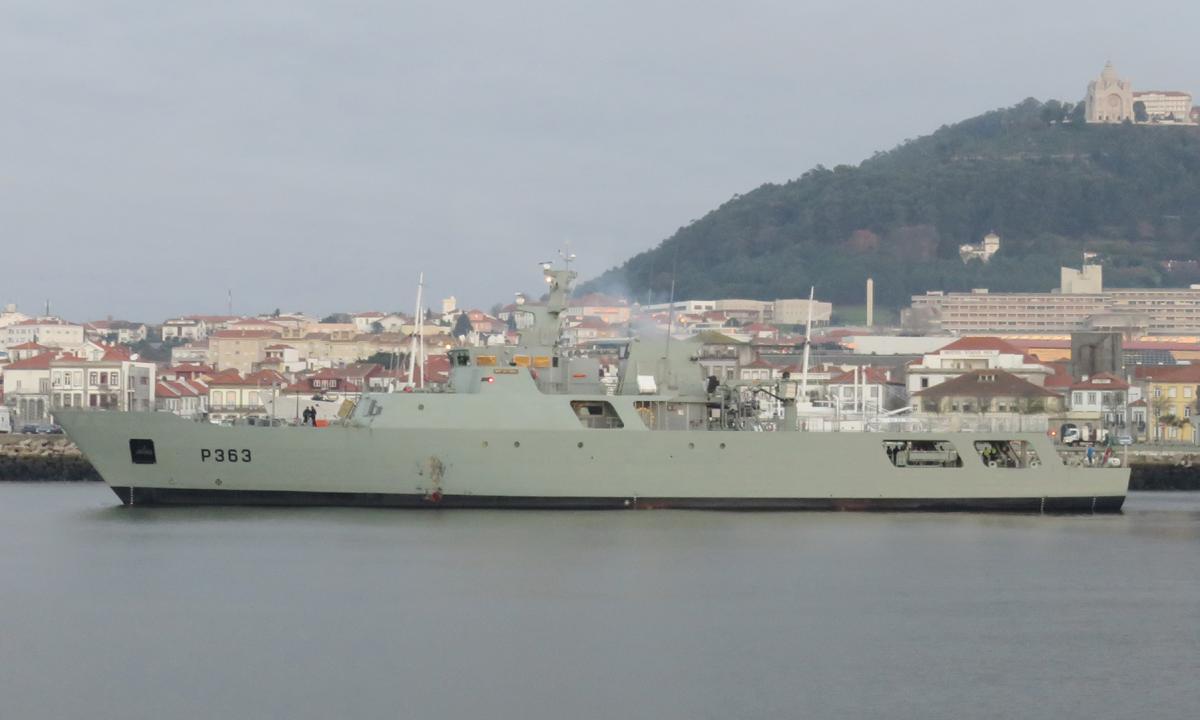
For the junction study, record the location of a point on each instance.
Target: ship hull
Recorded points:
(286, 498)
(189, 463)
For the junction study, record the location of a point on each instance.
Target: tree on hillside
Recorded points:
(1139, 112)
(388, 360)
(462, 326)
(337, 318)
(1050, 190)
(376, 327)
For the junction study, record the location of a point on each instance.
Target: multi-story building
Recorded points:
(49, 331)
(796, 312)
(37, 386)
(184, 329)
(1171, 394)
(867, 390)
(27, 387)
(115, 382)
(119, 331)
(232, 395)
(239, 350)
(1104, 394)
(1081, 303)
(612, 310)
(980, 392)
(186, 398)
(969, 354)
(1172, 106)
(10, 316)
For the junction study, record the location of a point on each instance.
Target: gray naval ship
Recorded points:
(530, 426)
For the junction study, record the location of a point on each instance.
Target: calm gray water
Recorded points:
(111, 612)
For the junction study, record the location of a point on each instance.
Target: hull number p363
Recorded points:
(224, 455)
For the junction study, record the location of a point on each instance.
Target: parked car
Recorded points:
(1124, 440)
(49, 429)
(29, 428)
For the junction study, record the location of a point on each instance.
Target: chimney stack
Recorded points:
(870, 302)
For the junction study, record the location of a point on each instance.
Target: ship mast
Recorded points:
(417, 346)
(807, 342)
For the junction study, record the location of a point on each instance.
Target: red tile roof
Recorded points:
(116, 353)
(37, 362)
(976, 384)
(1101, 381)
(1169, 373)
(982, 343)
(245, 334)
(868, 375)
(1061, 378)
(29, 346)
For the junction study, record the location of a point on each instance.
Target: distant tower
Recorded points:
(870, 302)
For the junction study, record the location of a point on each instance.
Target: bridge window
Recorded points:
(922, 453)
(597, 414)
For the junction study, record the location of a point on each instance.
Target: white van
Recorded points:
(5, 419)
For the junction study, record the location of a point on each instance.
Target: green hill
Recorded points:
(1050, 188)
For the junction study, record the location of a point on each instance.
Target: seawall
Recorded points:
(42, 458)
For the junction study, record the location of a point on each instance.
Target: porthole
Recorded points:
(517, 444)
(421, 406)
(579, 445)
(485, 443)
(691, 446)
(722, 446)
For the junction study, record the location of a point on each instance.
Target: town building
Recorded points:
(980, 392)
(116, 331)
(239, 350)
(49, 331)
(185, 398)
(232, 395)
(1170, 394)
(868, 390)
(1105, 395)
(114, 382)
(796, 312)
(1163, 106)
(184, 329)
(982, 251)
(1081, 303)
(36, 386)
(969, 354)
(10, 316)
(612, 310)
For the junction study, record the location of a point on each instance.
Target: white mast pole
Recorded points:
(421, 330)
(412, 349)
(807, 342)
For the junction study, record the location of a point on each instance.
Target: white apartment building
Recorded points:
(184, 329)
(1165, 105)
(49, 331)
(974, 353)
(113, 383)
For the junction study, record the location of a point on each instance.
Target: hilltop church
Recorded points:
(1111, 99)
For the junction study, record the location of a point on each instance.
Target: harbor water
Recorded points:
(115, 612)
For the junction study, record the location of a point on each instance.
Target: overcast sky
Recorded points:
(317, 155)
